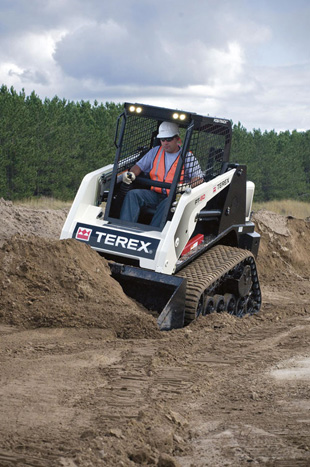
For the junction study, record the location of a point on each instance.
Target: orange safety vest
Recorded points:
(158, 170)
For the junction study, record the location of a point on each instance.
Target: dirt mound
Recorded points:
(284, 247)
(46, 223)
(65, 283)
(52, 283)
(73, 393)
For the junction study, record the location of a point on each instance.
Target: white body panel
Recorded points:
(83, 207)
(171, 240)
(250, 188)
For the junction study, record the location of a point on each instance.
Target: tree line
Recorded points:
(48, 146)
(278, 163)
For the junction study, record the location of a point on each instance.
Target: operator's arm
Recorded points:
(130, 176)
(144, 165)
(136, 170)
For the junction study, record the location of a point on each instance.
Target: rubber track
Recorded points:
(206, 270)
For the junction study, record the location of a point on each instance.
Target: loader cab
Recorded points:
(136, 133)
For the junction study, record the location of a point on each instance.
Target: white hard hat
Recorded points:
(167, 130)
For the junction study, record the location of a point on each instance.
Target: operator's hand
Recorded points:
(128, 177)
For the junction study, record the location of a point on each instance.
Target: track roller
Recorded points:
(230, 303)
(241, 307)
(209, 305)
(219, 303)
(200, 306)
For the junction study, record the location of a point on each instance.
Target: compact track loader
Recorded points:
(201, 259)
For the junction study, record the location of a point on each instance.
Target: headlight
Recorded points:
(177, 116)
(133, 108)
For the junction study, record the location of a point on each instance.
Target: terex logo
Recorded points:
(124, 242)
(83, 234)
(223, 183)
(112, 240)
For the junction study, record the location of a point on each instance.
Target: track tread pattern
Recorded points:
(206, 271)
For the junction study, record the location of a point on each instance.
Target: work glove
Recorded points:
(128, 177)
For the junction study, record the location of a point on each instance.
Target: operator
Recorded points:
(160, 163)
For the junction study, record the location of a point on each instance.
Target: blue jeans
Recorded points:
(136, 199)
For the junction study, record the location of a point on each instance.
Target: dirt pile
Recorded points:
(75, 392)
(52, 283)
(45, 223)
(65, 283)
(285, 245)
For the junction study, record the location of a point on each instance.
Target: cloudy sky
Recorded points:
(246, 60)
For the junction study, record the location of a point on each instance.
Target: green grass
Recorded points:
(286, 207)
(43, 203)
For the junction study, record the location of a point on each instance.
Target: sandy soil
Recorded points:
(88, 380)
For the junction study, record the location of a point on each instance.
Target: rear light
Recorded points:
(192, 243)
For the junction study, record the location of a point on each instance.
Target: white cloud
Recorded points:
(246, 61)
